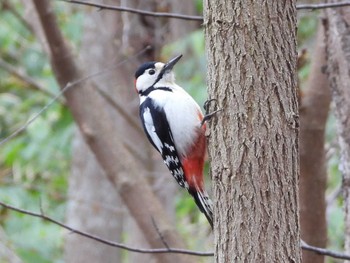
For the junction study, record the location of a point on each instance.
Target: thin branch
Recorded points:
(27, 79)
(104, 241)
(311, 7)
(159, 233)
(332, 197)
(323, 251)
(67, 87)
(121, 110)
(136, 11)
(32, 119)
(303, 245)
(6, 5)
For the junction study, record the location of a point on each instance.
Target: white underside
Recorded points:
(182, 115)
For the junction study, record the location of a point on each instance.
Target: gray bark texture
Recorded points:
(313, 173)
(253, 141)
(337, 27)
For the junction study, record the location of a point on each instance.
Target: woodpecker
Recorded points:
(172, 121)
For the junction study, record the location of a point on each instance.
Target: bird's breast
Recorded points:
(184, 117)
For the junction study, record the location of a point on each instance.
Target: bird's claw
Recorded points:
(206, 107)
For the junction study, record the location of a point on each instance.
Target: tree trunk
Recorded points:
(128, 32)
(313, 174)
(338, 58)
(94, 207)
(7, 253)
(253, 141)
(180, 28)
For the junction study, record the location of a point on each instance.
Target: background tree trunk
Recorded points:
(108, 146)
(313, 174)
(127, 33)
(94, 207)
(180, 28)
(7, 253)
(253, 142)
(338, 61)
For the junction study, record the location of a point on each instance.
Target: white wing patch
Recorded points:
(179, 176)
(171, 148)
(151, 130)
(171, 159)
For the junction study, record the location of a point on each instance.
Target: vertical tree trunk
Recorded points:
(99, 131)
(253, 142)
(94, 206)
(127, 31)
(338, 58)
(180, 28)
(313, 174)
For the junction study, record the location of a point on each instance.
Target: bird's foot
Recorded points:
(208, 115)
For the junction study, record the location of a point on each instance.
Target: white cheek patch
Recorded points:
(144, 81)
(151, 130)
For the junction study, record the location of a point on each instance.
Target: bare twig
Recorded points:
(159, 233)
(67, 87)
(41, 215)
(121, 110)
(323, 251)
(104, 241)
(136, 11)
(332, 197)
(322, 5)
(32, 119)
(26, 79)
(191, 17)
(303, 244)
(6, 5)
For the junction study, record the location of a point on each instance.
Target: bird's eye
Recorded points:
(151, 72)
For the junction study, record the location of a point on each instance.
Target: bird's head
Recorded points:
(153, 73)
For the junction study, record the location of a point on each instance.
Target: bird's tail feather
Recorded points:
(204, 203)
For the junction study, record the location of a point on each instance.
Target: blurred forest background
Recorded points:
(48, 167)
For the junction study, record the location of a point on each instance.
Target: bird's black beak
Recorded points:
(169, 66)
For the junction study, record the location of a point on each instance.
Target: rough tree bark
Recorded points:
(313, 174)
(98, 129)
(253, 142)
(338, 61)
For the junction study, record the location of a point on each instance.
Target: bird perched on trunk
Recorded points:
(173, 123)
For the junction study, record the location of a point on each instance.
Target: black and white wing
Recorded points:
(157, 129)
